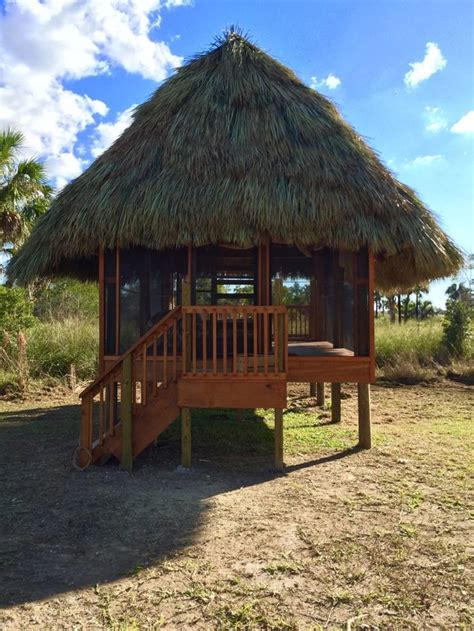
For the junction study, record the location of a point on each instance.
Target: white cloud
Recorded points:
(424, 161)
(331, 82)
(106, 133)
(422, 70)
(434, 119)
(464, 125)
(43, 43)
(65, 166)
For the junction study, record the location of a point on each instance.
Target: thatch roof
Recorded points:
(234, 148)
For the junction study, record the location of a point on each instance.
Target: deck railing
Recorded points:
(298, 322)
(240, 341)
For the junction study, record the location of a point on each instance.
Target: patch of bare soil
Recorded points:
(342, 540)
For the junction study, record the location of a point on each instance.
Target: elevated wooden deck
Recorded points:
(202, 357)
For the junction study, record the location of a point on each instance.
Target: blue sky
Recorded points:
(70, 71)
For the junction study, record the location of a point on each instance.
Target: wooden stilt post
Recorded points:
(126, 414)
(279, 464)
(320, 394)
(186, 438)
(312, 389)
(336, 402)
(365, 430)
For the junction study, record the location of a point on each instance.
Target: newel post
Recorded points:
(127, 414)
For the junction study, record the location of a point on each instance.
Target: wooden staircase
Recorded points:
(193, 357)
(136, 399)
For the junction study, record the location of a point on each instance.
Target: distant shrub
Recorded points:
(457, 328)
(16, 310)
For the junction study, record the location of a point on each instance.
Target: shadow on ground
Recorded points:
(62, 529)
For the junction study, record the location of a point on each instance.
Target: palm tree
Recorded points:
(24, 191)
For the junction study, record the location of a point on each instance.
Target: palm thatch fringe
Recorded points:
(235, 148)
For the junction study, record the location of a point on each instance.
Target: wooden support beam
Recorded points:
(336, 402)
(186, 438)
(127, 414)
(279, 464)
(312, 389)
(365, 430)
(320, 394)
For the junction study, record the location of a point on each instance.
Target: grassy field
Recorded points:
(408, 354)
(343, 540)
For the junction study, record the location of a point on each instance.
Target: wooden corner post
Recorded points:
(127, 414)
(365, 429)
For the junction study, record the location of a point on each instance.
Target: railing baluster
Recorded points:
(276, 340)
(204, 341)
(234, 341)
(265, 342)
(214, 342)
(165, 357)
(91, 422)
(175, 350)
(184, 345)
(224, 340)
(101, 415)
(194, 336)
(255, 342)
(144, 369)
(111, 406)
(245, 328)
(155, 366)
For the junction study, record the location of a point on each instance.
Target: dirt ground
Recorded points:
(343, 540)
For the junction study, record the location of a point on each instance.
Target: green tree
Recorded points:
(460, 292)
(457, 320)
(67, 298)
(24, 191)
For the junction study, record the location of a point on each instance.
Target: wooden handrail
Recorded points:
(145, 339)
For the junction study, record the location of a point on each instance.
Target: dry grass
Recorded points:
(379, 539)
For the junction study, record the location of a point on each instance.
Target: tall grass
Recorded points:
(415, 341)
(53, 346)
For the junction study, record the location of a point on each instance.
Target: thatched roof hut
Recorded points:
(234, 148)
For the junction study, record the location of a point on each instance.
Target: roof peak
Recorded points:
(233, 35)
